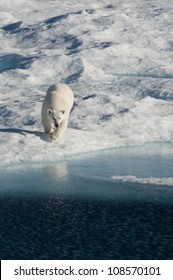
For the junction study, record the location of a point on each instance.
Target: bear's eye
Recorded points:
(63, 112)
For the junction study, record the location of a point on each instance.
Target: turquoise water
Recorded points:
(74, 210)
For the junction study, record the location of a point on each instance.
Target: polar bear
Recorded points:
(56, 108)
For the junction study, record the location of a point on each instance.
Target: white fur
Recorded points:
(56, 109)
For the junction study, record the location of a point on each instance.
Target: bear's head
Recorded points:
(56, 116)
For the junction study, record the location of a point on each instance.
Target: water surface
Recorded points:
(74, 210)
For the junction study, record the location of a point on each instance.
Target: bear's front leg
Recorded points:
(54, 134)
(50, 129)
(59, 131)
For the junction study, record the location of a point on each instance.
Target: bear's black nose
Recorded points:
(56, 125)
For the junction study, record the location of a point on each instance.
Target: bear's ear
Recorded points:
(63, 112)
(49, 111)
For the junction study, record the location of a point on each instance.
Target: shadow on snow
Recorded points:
(15, 61)
(39, 134)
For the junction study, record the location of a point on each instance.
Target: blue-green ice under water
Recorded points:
(73, 209)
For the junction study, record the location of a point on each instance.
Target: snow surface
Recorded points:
(117, 56)
(145, 181)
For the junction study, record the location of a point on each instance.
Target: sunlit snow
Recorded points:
(117, 56)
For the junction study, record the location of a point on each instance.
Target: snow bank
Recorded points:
(117, 58)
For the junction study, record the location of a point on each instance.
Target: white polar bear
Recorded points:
(56, 108)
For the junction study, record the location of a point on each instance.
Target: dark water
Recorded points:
(74, 210)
